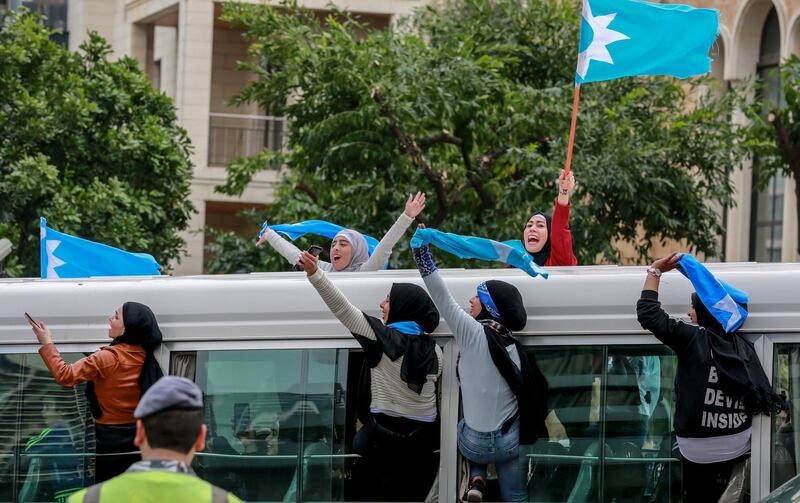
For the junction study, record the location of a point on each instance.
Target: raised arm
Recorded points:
(673, 333)
(465, 328)
(561, 239)
(382, 253)
(284, 247)
(348, 314)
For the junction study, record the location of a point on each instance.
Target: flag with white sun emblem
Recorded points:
(620, 38)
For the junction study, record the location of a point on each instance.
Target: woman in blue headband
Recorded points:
(349, 251)
(503, 392)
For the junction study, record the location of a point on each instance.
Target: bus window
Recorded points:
(276, 421)
(46, 434)
(280, 423)
(609, 426)
(784, 442)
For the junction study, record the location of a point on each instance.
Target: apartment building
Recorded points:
(190, 54)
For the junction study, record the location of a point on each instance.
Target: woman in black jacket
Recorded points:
(719, 386)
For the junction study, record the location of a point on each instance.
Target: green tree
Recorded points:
(776, 138)
(88, 143)
(470, 101)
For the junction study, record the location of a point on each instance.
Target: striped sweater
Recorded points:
(390, 395)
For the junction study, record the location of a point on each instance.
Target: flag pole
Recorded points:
(575, 100)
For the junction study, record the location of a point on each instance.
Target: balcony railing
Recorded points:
(232, 135)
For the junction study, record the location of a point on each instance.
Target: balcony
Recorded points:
(233, 135)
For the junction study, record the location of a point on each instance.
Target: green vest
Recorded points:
(154, 486)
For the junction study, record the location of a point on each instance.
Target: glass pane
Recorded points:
(785, 441)
(622, 394)
(638, 460)
(276, 423)
(53, 433)
(566, 466)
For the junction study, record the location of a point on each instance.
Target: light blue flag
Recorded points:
(721, 299)
(65, 256)
(318, 227)
(480, 248)
(620, 38)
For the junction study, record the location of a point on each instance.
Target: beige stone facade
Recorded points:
(191, 55)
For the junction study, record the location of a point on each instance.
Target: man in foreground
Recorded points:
(169, 430)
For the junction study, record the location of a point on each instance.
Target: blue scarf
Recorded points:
(480, 248)
(317, 227)
(407, 327)
(721, 299)
(488, 302)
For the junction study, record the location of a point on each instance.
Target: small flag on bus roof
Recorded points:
(65, 256)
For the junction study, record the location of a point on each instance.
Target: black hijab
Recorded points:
(739, 370)
(540, 257)
(526, 381)
(408, 302)
(141, 329)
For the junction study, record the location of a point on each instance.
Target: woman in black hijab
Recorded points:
(720, 385)
(397, 393)
(117, 375)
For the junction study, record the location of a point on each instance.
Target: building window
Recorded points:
(766, 215)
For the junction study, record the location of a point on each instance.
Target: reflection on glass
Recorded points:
(46, 437)
(785, 440)
(610, 426)
(276, 423)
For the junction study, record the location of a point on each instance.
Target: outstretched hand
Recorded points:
(308, 261)
(667, 263)
(262, 235)
(415, 204)
(566, 184)
(43, 333)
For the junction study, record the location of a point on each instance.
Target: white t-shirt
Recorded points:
(715, 449)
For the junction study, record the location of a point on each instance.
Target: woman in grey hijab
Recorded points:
(349, 251)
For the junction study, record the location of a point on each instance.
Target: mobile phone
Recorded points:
(34, 322)
(314, 250)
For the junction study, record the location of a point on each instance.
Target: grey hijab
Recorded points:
(360, 249)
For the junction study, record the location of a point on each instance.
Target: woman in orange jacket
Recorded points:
(117, 375)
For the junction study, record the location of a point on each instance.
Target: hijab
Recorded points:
(409, 305)
(502, 302)
(502, 309)
(141, 329)
(540, 257)
(739, 370)
(360, 248)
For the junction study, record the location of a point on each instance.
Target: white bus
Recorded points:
(279, 376)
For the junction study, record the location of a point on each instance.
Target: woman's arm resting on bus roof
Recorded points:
(383, 251)
(348, 314)
(674, 333)
(464, 326)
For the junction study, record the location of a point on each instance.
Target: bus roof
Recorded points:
(582, 300)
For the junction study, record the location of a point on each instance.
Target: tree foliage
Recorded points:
(470, 100)
(89, 144)
(776, 132)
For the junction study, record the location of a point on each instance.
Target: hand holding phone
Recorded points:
(314, 250)
(40, 329)
(32, 321)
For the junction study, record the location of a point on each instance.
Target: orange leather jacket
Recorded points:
(115, 371)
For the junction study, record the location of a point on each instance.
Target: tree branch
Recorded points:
(304, 187)
(408, 146)
(443, 137)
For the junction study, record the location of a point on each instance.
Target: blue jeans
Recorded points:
(501, 450)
